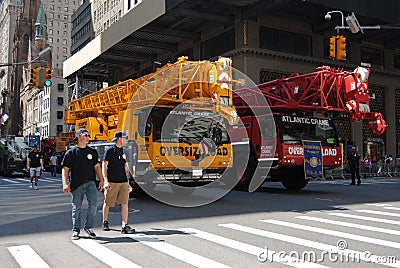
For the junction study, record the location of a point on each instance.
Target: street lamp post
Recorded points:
(353, 24)
(4, 115)
(37, 59)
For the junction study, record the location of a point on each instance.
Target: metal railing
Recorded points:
(375, 171)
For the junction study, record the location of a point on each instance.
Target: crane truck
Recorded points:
(301, 107)
(176, 120)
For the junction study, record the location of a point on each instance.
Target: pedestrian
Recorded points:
(388, 163)
(116, 182)
(83, 164)
(380, 164)
(53, 160)
(354, 164)
(35, 165)
(368, 165)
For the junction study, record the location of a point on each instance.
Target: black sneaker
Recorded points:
(90, 232)
(105, 226)
(127, 230)
(75, 235)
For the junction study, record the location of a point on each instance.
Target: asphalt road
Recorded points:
(327, 224)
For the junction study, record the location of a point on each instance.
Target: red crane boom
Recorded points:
(325, 90)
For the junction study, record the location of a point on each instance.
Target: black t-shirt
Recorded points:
(35, 158)
(116, 158)
(354, 159)
(81, 162)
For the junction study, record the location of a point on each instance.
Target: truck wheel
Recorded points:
(243, 176)
(294, 179)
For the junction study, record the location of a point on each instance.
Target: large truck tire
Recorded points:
(294, 179)
(243, 172)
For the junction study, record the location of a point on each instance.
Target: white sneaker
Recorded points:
(31, 186)
(36, 187)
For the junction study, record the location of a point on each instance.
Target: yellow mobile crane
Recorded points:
(176, 120)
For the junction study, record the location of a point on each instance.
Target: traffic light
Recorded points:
(47, 77)
(341, 48)
(34, 76)
(332, 47)
(40, 80)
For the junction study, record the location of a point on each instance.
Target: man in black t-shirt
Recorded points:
(34, 163)
(83, 164)
(354, 164)
(116, 184)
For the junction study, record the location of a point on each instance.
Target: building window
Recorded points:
(284, 41)
(60, 87)
(60, 114)
(218, 45)
(397, 60)
(26, 44)
(372, 56)
(59, 128)
(60, 100)
(64, 50)
(50, 31)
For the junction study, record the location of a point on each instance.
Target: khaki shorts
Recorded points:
(119, 192)
(34, 171)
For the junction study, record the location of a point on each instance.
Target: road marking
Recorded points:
(53, 179)
(378, 212)
(336, 233)
(12, 181)
(378, 205)
(347, 253)
(392, 208)
(353, 225)
(46, 180)
(22, 180)
(104, 254)
(27, 257)
(365, 218)
(173, 251)
(247, 248)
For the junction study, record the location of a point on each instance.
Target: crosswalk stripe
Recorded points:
(12, 181)
(392, 208)
(247, 248)
(336, 233)
(53, 179)
(353, 225)
(378, 212)
(46, 180)
(365, 218)
(22, 180)
(377, 205)
(173, 251)
(104, 254)
(27, 257)
(347, 253)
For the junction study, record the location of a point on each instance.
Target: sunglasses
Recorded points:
(85, 135)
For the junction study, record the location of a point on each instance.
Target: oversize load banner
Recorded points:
(313, 160)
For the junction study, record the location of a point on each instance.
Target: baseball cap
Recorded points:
(80, 131)
(119, 134)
